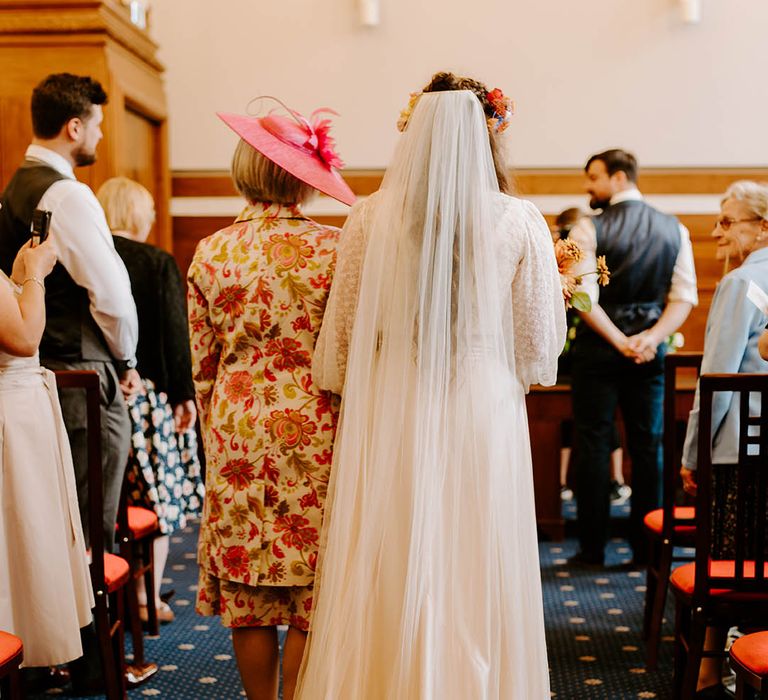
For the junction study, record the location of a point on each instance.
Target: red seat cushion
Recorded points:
(684, 576)
(654, 520)
(141, 521)
(116, 572)
(10, 646)
(751, 651)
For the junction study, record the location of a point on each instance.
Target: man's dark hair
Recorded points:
(61, 97)
(616, 160)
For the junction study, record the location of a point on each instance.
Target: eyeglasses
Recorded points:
(725, 223)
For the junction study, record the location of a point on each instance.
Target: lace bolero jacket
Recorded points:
(529, 279)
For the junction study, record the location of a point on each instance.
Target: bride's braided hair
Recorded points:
(443, 82)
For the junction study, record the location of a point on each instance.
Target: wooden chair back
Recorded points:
(748, 530)
(672, 447)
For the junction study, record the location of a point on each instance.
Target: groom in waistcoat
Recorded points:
(618, 353)
(91, 319)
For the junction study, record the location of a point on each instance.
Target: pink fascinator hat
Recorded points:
(304, 148)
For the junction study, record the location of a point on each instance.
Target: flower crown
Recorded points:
(503, 109)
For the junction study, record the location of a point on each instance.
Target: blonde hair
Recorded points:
(753, 194)
(258, 179)
(127, 204)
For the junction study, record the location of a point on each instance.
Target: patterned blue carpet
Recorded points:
(594, 621)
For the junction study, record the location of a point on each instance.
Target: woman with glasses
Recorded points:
(734, 327)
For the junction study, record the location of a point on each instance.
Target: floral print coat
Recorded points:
(257, 293)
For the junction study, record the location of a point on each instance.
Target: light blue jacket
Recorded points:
(734, 325)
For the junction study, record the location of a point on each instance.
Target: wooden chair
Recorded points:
(109, 573)
(749, 661)
(713, 591)
(11, 656)
(136, 531)
(671, 525)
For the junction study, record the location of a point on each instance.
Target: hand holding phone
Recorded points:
(41, 223)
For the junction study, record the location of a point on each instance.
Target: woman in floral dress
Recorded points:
(257, 294)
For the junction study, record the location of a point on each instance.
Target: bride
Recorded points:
(445, 307)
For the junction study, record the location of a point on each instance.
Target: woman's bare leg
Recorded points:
(292, 655)
(711, 669)
(258, 659)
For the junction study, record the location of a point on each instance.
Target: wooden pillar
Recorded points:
(95, 38)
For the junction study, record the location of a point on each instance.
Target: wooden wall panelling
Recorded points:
(680, 181)
(528, 181)
(89, 37)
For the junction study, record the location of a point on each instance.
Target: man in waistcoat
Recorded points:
(618, 353)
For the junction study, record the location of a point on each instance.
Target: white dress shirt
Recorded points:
(85, 248)
(683, 286)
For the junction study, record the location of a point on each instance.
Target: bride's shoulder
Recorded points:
(519, 219)
(510, 206)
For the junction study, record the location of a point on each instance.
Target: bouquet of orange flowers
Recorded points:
(568, 253)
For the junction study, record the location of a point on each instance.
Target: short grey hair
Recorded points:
(753, 194)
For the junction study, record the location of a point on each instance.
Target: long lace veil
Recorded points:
(428, 553)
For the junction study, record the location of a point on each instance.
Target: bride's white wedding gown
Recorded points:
(429, 585)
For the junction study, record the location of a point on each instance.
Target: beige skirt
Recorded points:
(45, 587)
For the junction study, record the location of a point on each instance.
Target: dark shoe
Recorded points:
(586, 560)
(166, 597)
(714, 692)
(39, 680)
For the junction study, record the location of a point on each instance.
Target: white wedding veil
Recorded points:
(428, 585)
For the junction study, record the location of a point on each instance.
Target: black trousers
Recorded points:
(603, 381)
(115, 440)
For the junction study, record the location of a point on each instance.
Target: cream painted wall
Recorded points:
(586, 74)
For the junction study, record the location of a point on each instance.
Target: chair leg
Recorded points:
(682, 619)
(120, 690)
(148, 561)
(695, 654)
(11, 686)
(134, 622)
(104, 635)
(659, 600)
(651, 581)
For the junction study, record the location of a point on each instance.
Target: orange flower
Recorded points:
(238, 386)
(287, 251)
(235, 561)
(603, 273)
(288, 354)
(232, 300)
(239, 473)
(297, 531)
(292, 428)
(567, 254)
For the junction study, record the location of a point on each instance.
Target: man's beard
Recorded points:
(596, 202)
(83, 157)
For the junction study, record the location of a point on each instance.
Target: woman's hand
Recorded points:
(34, 262)
(689, 480)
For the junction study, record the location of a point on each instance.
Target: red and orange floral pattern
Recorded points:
(257, 293)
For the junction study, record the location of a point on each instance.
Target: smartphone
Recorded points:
(41, 223)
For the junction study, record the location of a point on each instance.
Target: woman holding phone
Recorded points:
(45, 589)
